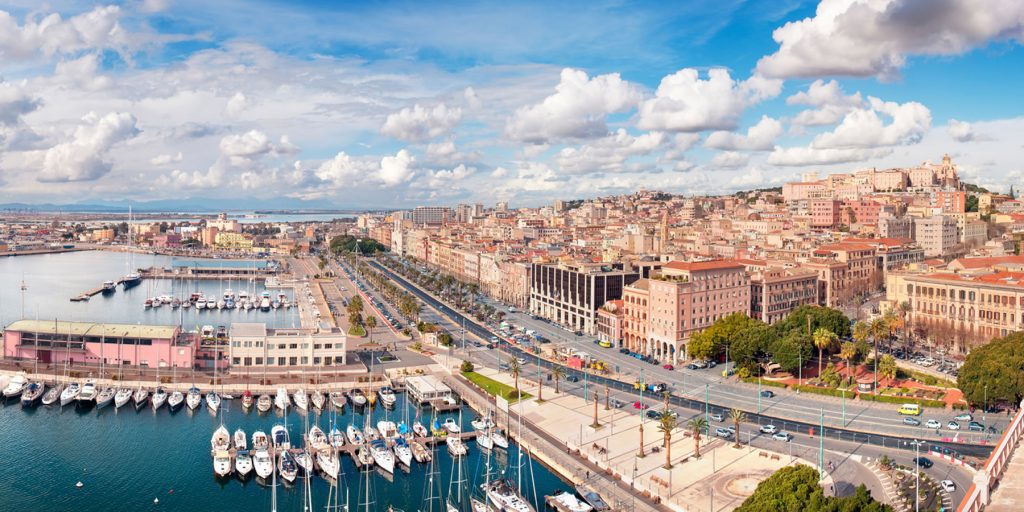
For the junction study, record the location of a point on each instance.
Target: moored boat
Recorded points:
(122, 397)
(222, 463)
(420, 452)
(569, 502)
(287, 468)
(32, 394)
(264, 403)
(263, 463)
(221, 439)
(52, 395)
(140, 397)
(452, 426)
(194, 398)
(241, 442)
(455, 446)
(243, 463)
(499, 439)
(358, 398)
(484, 440)
(420, 430)
(87, 395)
(387, 396)
(159, 398)
(329, 463)
(355, 437)
(105, 397)
(504, 496)
(70, 393)
(382, 455)
(15, 387)
(303, 460)
(301, 400)
(175, 401)
(338, 399)
(318, 400)
(247, 400)
(213, 401)
(402, 451)
(281, 400)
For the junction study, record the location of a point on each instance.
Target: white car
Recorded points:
(953, 425)
(768, 429)
(782, 436)
(933, 424)
(948, 485)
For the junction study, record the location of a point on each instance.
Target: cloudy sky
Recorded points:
(392, 104)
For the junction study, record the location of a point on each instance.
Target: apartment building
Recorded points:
(775, 292)
(663, 311)
(431, 215)
(845, 270)
(937, 235)
(253, 345)
(571, 293)
(825, 213)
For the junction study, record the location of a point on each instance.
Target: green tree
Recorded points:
(887, 367)
(824, 339)
(557, 374)
(697, 425)
(797, 489)
(821, 317)
(514, 370)
(791, 350)
(848, 351)
(667, 423)
(737, 416)
(997, 365)
(709, 342)
(466, 367)
(371, 323)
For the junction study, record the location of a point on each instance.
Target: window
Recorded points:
(259, 360)
(305, 360)
(293, 361)
(235, 361)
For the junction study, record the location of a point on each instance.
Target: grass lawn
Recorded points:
(496, 388)
(357, 330)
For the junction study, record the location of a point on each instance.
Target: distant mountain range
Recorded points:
(187, 205)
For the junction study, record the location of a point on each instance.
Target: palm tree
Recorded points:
(371, 322)
(878, 329)
(823, 339)
(697, 426)
(667, 422)
(514, 369)
(737, 416)
(847, 351)
(557, 373)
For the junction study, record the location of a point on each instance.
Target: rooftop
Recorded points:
(698, 266)
(95, 329)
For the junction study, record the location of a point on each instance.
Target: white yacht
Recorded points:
(570, 502)
(301, 399)
(175, 400)
(105, 397)
(499, 439)
(122, 397)
(287, 467)
(387, 429)
(452, 426)
(387, 396)
(402, 451)
(455, 446)
(263, 463)
(194, 398)
(140, 397)
(15, 386)
(260, 441)
(70, 393)
(329, 463)
(159, 398)
(304, 460)
(318, 399)
(382, 455)
(505, 497)
(355, 437)
(87, 395)
(358, 398)
(280, 438)
(243, 463)
(482, 423)
(281, 401)
(221, 439)
(222, 463)
(317, 438)
(264, 403)
(53, 394)
(484, 440)
(213, 401)
(240, 440)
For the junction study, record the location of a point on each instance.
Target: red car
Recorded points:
(638, 405)
(669, 367)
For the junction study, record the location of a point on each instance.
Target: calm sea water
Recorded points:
(126, 459)
(52, 279)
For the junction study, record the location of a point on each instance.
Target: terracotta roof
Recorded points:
(975, 263)
(697, 266)
(846, 246)
(891, 242)
(1000, 278)
(640, 284)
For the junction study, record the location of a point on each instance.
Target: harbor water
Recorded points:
(52, 279)
(127, 459)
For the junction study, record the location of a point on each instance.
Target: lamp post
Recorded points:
(759, 392)
(844, 408)
(706, 418)
(917, 476)
(984, 405)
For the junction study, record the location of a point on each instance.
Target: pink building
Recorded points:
(824, 213)
(55, 342)
(661, 313)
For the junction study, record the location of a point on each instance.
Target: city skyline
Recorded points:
(393, 105)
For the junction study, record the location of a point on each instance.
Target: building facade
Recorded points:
(253, 345)
(57, 342)
(571, 294)
(775, 292)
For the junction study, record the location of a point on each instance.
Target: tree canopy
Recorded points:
(349, 243)
(707, 343)
(999, 365)
(821, 317)
(796, 489)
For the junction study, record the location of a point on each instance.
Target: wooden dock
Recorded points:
(86, 295)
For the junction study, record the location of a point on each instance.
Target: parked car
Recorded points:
(975, 427)
(948, 485)
(953, 425)
(638, 405)
(573, 378)
(717, 416)
(669, 367)
(911, 421)
(724, 433)
(964, 417)
(923, 462)
(652, 414)
(767, 394)
(782, 436)
(768, 429)
(616, 403)
(933, 424)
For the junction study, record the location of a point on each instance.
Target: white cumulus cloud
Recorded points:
(166, 159)
(874, 37)
(730, 159)
(960, 130)
(802, 156)
(760, 137)
(395, 170)
(576, 110)
(686, 103)
(866, 127)
(419, 123)
(608, 154)
(83, 158)
(829, 102)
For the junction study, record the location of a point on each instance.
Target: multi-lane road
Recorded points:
(840, 446)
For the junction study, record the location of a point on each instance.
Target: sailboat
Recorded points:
(132, 278)
(457, 497)
(194, 398)
(122, 397)
(105, 397)
(140, 397)
(70, 393)
(262, 462)
(53, 394)
(159, 398)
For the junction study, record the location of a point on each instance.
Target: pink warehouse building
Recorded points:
(55, 342)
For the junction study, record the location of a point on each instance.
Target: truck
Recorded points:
(657, 387)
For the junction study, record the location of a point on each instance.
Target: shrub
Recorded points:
(836, 392)
(466, 367)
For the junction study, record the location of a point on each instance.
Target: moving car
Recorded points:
(767, 394)
(723, 433)
(963, 417)
(923, 462)
(782, 436)
(933, 424)
(911, 421)
(638, 405)
(669, 367)
(573, 378)
(948, 485)
(768, 429)
(953, 425)
(975, 426)
(717, 417)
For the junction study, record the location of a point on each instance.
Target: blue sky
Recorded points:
(384, 104)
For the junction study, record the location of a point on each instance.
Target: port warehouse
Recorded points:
(167, 346)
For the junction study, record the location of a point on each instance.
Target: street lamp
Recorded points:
(917, 476)
(984, 405)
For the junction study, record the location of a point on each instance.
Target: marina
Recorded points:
(166, 456)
